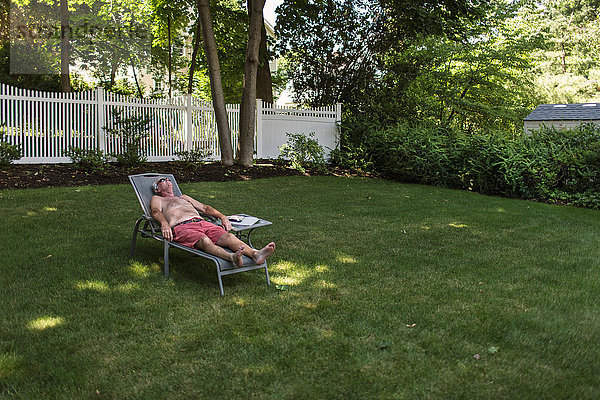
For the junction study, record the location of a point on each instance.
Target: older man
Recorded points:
(180, 221)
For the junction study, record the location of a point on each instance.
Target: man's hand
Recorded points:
(226, 223)
(166, 231)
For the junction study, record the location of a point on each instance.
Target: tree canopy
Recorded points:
(464, 63)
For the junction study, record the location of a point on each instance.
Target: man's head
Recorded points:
(162, 186)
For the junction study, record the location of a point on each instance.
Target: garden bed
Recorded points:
(22, 176)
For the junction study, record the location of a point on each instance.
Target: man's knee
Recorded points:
(203, 243)
(226, 239)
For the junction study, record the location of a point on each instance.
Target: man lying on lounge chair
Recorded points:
(179, 220)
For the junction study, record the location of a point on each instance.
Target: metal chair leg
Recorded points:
(267, 274)
(134, 238)
(166, 257)
(220, 280)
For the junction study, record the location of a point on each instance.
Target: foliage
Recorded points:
(132, 130)
(230, 26)
(303, 150)
(552, 165)
(456, 63)
(324, 44)
(567, 32)
(8, 152)
(170, 19)
(197, 156)
(91, 160)
(118, 39)
(106, 38)
(471, 85)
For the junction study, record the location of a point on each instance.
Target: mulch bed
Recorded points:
(23, 176)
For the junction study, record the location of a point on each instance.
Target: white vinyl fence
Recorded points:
(46, 124)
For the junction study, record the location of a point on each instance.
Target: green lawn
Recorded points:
(394, 291)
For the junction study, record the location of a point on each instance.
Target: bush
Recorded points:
(133, 129)
(91, 160)
(193, 156)
(8, 152)
(551, 165)
(303, 150)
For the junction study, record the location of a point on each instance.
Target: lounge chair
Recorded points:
(150, 228)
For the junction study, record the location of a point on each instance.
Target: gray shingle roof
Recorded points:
(554, 112)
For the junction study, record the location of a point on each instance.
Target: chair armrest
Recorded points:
(210, 218)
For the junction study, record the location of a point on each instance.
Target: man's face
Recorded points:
(164, 186)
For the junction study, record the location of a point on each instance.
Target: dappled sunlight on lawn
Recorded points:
(32, 213)
(43, 323)
(97, 286)
(103, 287)
(139, 271)
(142, 270)
(345, 259)
(458, 225)
(291, 273)
(127, 287)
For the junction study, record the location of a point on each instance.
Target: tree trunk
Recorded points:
(137, 83)
(113, 70)
(564, 58)
(170, 61)
(264, 83)
(248, 106)
(216, 86)
(197, 34)
(65, 82)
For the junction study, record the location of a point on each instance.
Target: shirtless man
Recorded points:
(179, 221)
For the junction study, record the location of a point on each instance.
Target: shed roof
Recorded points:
(554, 112)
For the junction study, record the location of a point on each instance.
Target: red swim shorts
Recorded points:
(189, 234)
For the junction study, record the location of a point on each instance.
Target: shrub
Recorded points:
(133, 129)
(303, 150)
(91, 160)
(192, 157)
(552, 165)
(8, 152)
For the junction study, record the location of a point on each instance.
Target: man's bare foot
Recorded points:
(262, 254)
(237, 259)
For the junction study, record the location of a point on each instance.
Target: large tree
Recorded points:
(230, 25)
(264, 81)
(248, 106)
(65, 79)
(210, 48)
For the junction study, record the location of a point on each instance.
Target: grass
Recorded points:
(393, 291)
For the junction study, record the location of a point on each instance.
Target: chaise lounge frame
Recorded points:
(148, 227)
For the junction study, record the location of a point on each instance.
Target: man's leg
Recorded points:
(206, 245)
(233, 242)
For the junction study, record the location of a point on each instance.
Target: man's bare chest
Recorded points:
(174, 204)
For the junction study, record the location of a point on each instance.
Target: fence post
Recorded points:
(259, 128)
(101, 120)
(188, 122)
(338, 121)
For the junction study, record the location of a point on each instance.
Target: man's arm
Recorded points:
(208, 210)
(156, 209)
